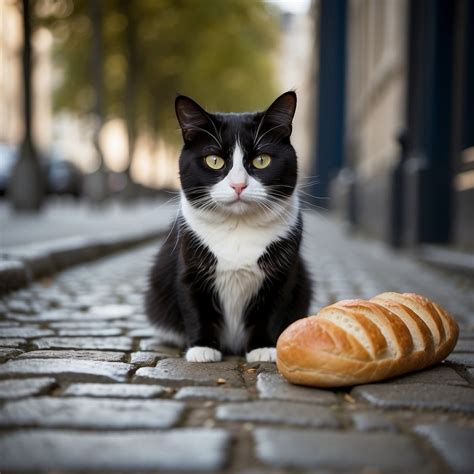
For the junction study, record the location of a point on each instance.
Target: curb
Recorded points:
(19, 266)
(447, 259)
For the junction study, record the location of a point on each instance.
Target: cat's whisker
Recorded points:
(217, 132)
(275, 141)
(195, 127)
(268, 131)
(255, 136)
(172, 228)
(280, 195)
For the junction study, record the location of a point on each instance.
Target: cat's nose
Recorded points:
(238, 187)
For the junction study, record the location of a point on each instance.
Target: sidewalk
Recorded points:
(66, 233)
(84, 386)
(65, 219)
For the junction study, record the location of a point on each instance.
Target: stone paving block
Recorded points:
(132, 323)
(441, 374)
(462, 358)
(273, 411)
(223, 394)
(8, 324)
(14, 342)
(142, 332)
(67, 369)
(179, 371)
(16, 388)
(106, 356)
(455, 443)
(18, 306)
(114, 390)
(371, 421)
(154, 345)
(105, 343)
(84, 324)
(146, 357)
(65, 315)
(48, 316)
(139, 316)
(201, 450)
(275, 386)
(313, 449)
(263, 367)
(90, 332)
(24, 332)
(134, 299)
(470, 373)
(84, 412)
(112, 311)
(424, 396)
(6, 353)
(464, 345)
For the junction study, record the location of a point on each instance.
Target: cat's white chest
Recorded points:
(237, 279)
(237, 247)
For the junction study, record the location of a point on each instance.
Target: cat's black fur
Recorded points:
(181, 296)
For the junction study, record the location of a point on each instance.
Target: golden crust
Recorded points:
(358, 341)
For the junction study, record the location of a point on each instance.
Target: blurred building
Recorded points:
(395, 117)
(293, 60)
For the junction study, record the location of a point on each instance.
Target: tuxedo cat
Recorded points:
(230, 279)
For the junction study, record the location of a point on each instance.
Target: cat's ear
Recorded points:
(191, 117)
(279, 115)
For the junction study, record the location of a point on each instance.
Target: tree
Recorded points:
(219, 52)
(26, 186)
(131, 81)
(96, 185)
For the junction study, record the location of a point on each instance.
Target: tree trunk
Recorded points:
(27, 183)
(130, 91)
(96, 189)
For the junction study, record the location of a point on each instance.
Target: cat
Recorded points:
(229, 278)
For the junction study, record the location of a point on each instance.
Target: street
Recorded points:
(83, 385)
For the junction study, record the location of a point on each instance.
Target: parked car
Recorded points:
(64, 178)
(61, 176)
(8, 156)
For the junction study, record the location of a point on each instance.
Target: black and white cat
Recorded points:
(229, 279)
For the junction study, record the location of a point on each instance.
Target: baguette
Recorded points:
(358, 341)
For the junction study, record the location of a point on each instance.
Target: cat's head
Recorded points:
(237, 163)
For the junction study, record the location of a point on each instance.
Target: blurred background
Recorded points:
(384, 128)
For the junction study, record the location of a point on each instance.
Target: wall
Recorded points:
(375, 88)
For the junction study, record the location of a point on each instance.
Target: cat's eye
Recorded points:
(214, 162)
(262, 161)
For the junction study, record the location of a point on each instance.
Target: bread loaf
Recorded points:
(358, 341)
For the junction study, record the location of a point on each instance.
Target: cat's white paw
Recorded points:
(203, 354)
(262, 354)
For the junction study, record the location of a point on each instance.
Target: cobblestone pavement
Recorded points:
(83, 385)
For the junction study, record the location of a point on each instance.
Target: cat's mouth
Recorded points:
(238, 205)
(236, 202)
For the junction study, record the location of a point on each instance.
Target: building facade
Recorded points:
(398, 106)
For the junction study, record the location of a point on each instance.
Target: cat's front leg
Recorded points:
(200, 322)
(202, 339)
